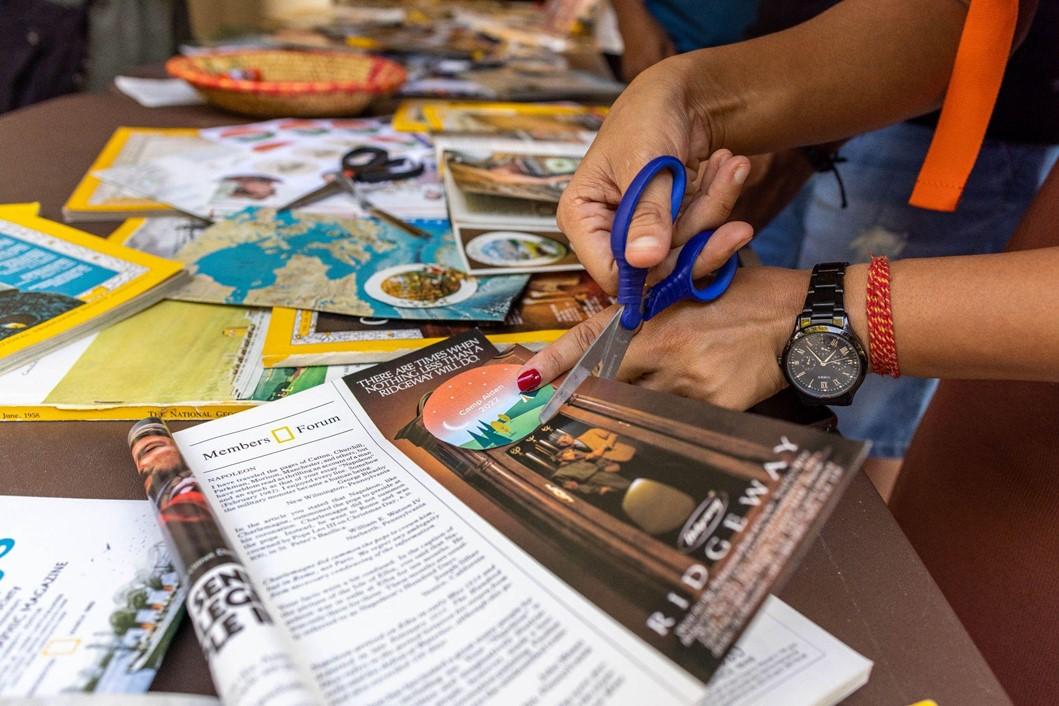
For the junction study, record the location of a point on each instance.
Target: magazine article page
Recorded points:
(249, 655)
(390, 588)
(599, 558)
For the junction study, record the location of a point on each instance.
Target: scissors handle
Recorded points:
(631, 280)
(373, 164)
(680, 284)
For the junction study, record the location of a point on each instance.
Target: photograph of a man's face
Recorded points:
(253, 187)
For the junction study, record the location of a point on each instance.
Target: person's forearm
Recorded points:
(980, 316)
(859, 66)
(627, 11)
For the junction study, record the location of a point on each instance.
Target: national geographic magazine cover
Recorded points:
(58, 283)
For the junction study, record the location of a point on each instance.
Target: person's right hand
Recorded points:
(652, 117)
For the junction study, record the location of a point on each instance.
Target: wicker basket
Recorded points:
(284, 83)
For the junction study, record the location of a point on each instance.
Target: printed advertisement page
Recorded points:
(390, 587)
(674, 517)
(89, 596)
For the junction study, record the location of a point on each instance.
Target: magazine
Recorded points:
(412, 533)
(551, 304)
(536, 177)
(502, 199)
(95, 200)
(58, 283)
(272, 163)
(354, 266)
(176, 360)
(89, 596)
(150, 699)
(555, 122)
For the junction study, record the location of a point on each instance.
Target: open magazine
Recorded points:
(413, 534)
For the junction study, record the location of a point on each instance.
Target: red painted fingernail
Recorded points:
(529, 380)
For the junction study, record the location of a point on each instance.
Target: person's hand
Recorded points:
(646, 43)
(725, 352)
(652, 117)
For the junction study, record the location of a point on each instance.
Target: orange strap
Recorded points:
(981, 59)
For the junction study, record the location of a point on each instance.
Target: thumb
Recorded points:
(651, 225)
(726, 241)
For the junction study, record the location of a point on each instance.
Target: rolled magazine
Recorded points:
(249, 656)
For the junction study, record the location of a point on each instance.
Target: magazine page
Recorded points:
(151, 699)
(502, 199)
(291, 259)
(250, 657)
(93, 199)
(674, 517)
(88, 611)
(784, 658)
(550, 304)
(175, 360)
(389, 586)
(403, 565)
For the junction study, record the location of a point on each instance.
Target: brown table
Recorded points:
(861, 581)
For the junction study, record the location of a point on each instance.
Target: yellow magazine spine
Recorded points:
(126, 230)
(47, 413)
(280, 349)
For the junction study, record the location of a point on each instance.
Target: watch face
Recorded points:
(823, 365)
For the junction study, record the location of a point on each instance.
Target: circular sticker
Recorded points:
(420, 286)
(560, 165)
(502, 248)
(484, 409)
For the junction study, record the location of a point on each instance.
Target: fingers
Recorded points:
(713, 207)
(705, 174)
(564, 353)
(586, 222)
(726, 241)
(586, 209)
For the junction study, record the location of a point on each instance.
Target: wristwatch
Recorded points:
(823, 360)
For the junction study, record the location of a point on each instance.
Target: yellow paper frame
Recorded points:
(80, 199)
(157, 271)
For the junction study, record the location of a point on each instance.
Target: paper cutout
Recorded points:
(484, 409)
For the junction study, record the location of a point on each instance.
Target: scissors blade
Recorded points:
(615, 352)
(592, 357)
(366, 205)
(329, 189)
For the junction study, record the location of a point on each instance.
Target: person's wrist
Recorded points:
(855, 286)
(784, 297)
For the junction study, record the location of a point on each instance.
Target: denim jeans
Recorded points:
(879, 176)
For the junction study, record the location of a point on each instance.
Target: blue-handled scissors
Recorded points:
(636, 305)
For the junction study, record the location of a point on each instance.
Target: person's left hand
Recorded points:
(725, 352)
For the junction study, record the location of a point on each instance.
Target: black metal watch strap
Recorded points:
(825, 302)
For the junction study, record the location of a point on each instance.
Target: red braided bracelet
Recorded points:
(882, 348)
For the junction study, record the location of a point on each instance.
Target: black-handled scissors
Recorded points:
(368, 165)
